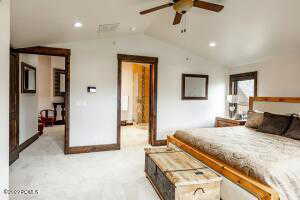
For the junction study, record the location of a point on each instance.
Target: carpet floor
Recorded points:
(113, 175)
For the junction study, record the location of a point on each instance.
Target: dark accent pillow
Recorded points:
(254, 120)
(275, 124)
(294, 130)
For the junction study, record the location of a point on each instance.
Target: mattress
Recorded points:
(271, 159)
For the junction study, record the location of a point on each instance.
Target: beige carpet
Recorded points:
(114, 175)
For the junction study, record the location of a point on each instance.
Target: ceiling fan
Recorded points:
(182, 6)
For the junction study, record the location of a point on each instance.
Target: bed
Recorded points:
(265, 165)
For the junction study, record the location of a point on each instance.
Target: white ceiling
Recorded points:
(246, 30)
(48, 21)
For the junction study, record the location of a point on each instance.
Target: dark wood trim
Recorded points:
(242, 77)
(67, 103)
(47, 51)
(153, 61)
(95, 148)
(160, 143)
(23, 66)
(273, 99)
(137, 59)
(13, 155)
(184, 76)
(14, 98)
(28, 142)
(66, 53)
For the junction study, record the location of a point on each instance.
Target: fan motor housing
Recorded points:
(183, 6)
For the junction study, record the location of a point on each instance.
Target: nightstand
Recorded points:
(227, 122)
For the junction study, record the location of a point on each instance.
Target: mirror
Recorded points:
(59, 82)
(62, 86)
(28, 78)
(194, 87)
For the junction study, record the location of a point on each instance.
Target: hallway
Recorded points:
(134, 136)
(114, 175)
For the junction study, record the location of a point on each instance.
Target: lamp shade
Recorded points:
(232, 98)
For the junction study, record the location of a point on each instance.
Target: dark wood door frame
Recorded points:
(13, 107)
(153, 61)
(60, 52)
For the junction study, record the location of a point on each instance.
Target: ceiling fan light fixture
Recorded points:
(133, 29)
(183, 6)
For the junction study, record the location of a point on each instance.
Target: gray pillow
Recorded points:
(294, 130)
(254, 120)
(275, 124)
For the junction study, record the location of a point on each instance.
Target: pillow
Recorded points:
(275, 124)
(254, 120)
(294, 130)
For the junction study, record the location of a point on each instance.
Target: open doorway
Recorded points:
(143, 115)
(51, 100)
(42, 77)
(135, 102)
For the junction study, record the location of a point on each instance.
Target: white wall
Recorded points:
(93, 117)
(127, 90)
(4, 97)
(28, 104)
(277, 75)
(44, 83)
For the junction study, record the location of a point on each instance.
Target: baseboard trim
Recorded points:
(160, 143)
(13, 156)
(28, 142)
(94, 148)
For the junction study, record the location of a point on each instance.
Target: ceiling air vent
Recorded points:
(105, 28)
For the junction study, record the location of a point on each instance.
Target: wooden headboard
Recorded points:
(273, 99)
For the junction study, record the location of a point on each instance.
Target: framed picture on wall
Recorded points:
(194, 87)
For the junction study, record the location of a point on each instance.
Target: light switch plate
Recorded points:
(91, 89)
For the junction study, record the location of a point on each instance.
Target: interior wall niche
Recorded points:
(59, 82)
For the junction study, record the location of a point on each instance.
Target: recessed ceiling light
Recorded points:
(77, 25)
(133, 28)
(212, 44)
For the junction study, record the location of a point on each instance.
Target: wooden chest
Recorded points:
(177, 176)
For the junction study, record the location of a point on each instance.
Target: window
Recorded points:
(244, 85)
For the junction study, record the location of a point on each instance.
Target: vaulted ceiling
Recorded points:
(246, 30)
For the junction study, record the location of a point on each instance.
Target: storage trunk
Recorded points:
(177, 176)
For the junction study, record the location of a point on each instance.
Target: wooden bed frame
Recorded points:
(253, 186)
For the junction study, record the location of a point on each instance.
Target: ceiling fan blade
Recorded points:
(156, 8)
(177, 18)
(208, 6)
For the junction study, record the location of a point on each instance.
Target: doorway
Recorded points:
(151, 114)
(14, 106)
(135, 93)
